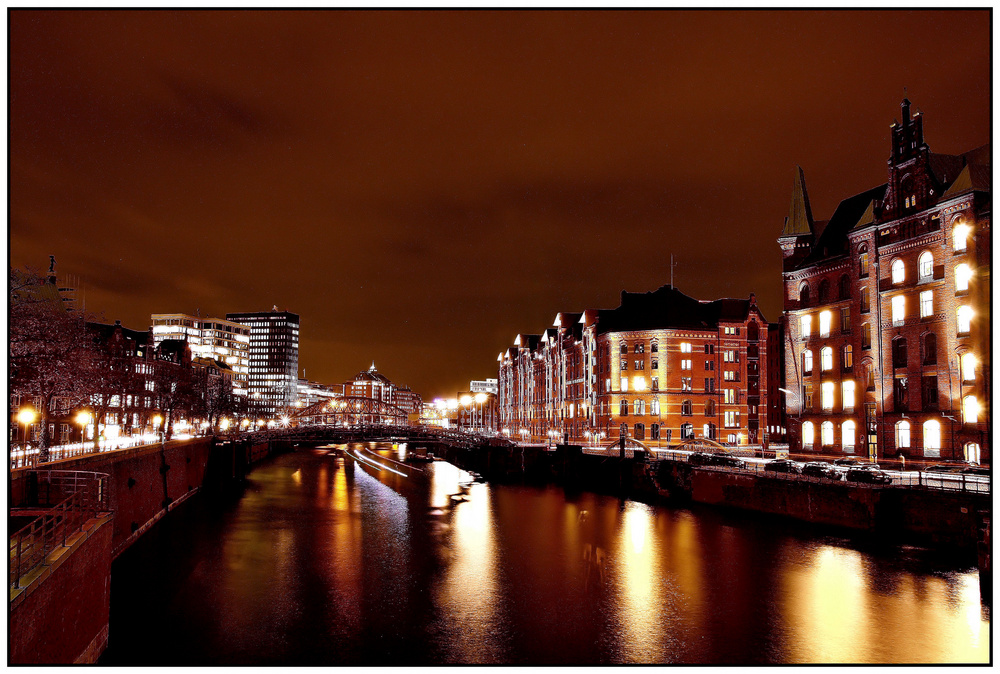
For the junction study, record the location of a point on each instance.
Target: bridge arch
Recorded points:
(351, 411)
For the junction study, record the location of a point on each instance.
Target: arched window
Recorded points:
(807, 361)
(654, 406)
(970, 409)
(687, 431)
(929, 348)
(825, 319)
(964, 316)
(848, 393)
(968, 367)
(654, 347)
(963, 273)
(640, 407)
(623, 408)
(902, 434)
(898, 271)
(824, 291)
(624, 348)
(960, 236)
(972, 452)
(826, 358)
(654, 432)
(804, 295)
(844, 291)
(899, 352)
(847, 358)
(808, 434)
(847, 436)
(686, 408)
(827, 391)
(863, 261)
(925, 266)
(640, 432)
(827, 432)
(932, 438)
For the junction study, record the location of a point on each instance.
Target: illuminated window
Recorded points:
(639, 383)
(847, 436)
(973, 452)
(964, 314)
(847, 357)
(863, 262)
(640, 407)
(932, 438)
(963, 273)
(902, 434)
(970, 409)
(824, 323)
(805, 326)
(624, 383)
(898, 272)
(827, 433)
(808, 434)
(848, 389)
(925, 266)
(807, 361)
(729, 396)
(685, 364)
(654, 406)
(731, 419)
(926, 303)
(827, 396)
(968, 367)
(826, 358)
(898, 309)
(960, 236)
(685, 347)
(685, 383)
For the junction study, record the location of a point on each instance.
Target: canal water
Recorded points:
(317, 562)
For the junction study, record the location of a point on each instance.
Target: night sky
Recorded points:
(420, 187)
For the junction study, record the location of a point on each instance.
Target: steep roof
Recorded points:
(833, 241)
(668, 307)
(799, 221)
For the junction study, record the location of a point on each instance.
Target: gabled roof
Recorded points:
(833, 241)
(668, 307)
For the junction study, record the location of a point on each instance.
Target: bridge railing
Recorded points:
(72, 498)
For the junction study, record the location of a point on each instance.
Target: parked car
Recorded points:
(822, 469)
(944, 468)
(976, 470)
(783, 466)
(847, 462)
(868, 475)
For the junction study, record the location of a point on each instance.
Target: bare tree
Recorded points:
(48, 351)
(110, 378)
(173, 386)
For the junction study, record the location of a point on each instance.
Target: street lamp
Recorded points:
(157, 420)
(480, 399)
(83, 418)
(27, 417)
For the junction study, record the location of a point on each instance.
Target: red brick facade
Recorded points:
(884, 305)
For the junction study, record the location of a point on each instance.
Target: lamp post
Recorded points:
(157, 420)
(83, 418)
(480, 399)
(27, 417)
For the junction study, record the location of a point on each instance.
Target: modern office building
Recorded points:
(211, 338)
(887, 309)
(273, 372)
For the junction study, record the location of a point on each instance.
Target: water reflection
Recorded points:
(319, 562)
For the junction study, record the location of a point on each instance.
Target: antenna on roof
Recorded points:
(672, 265)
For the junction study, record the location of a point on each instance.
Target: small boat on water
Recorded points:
(420, 458)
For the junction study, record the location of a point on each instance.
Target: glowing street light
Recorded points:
(27, 417)
(83, 418)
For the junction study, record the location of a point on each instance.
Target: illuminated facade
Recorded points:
(887, 330)
(660, 368)
(273, 369)
(212, 338)
(371, 383)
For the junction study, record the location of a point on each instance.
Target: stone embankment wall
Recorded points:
(64, 616)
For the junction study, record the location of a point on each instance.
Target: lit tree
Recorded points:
(48, 353)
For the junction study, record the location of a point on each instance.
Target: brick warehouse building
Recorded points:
(660, 368)
(887, 310)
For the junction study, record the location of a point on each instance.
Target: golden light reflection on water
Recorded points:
(468, 592)
(838, 613)
(638, 576)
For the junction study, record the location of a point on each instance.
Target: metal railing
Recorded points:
(73, 498)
